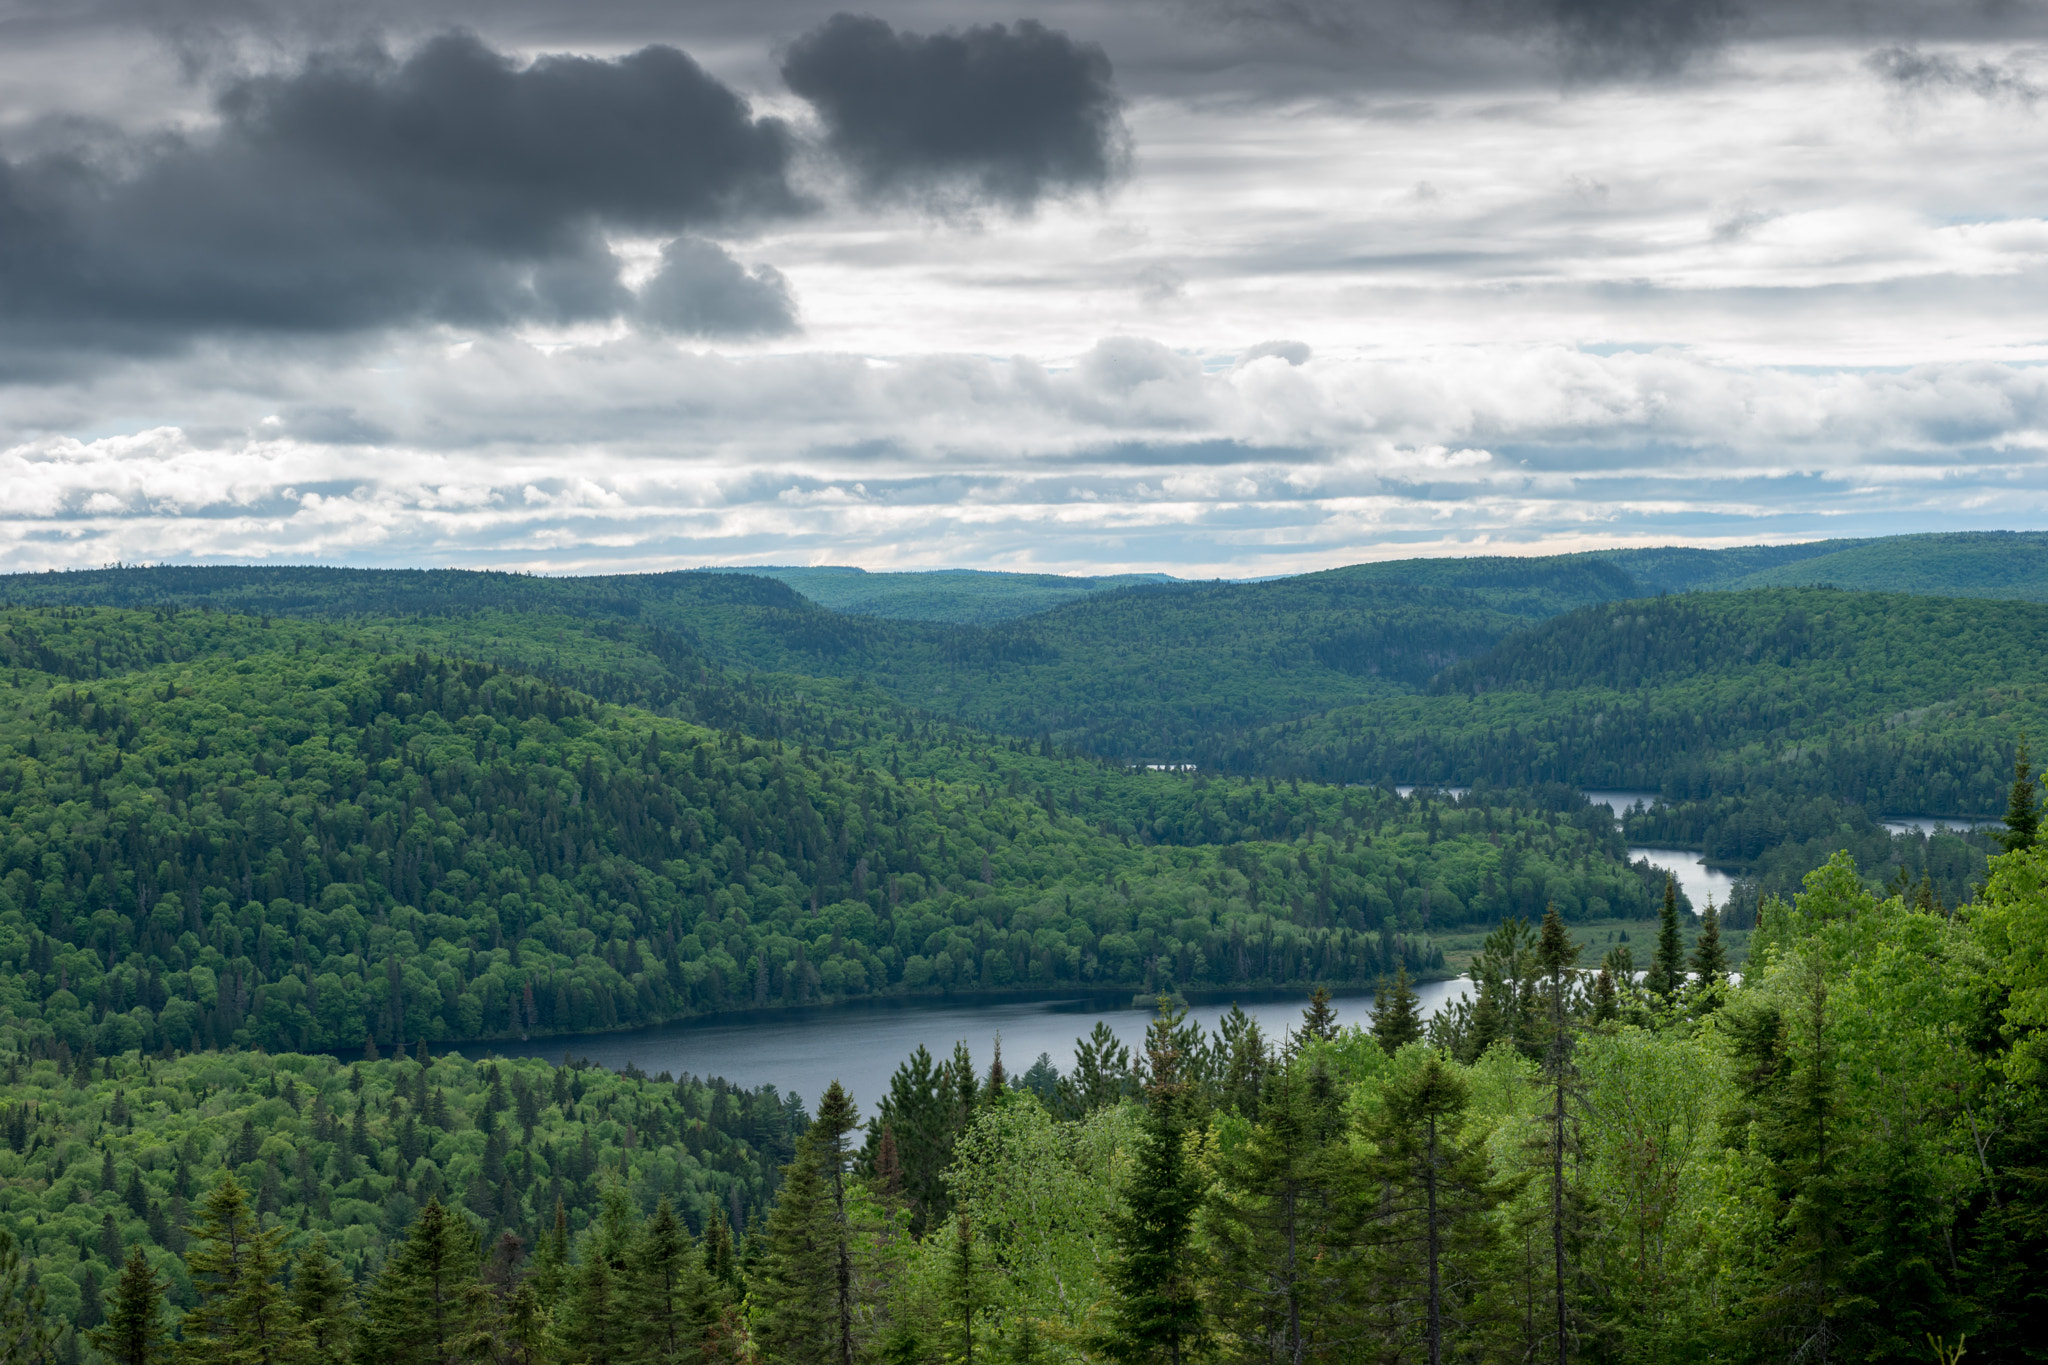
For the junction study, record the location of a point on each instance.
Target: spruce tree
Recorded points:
(421, 1308)
(836, 1119)
(1667, 965)
(595, 1329)
(1426, 1224)
(1155, 1311)
(243, 1317)
(1276, 1217)
(1709, 958)
(322, 1302)
(669, 1301)
(1319, 1021)
(1396, 1014)
(132, 1332)
(2022, 813)
(795, 1288)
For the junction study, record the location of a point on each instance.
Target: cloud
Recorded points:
(633, 454)
(1000, 114)
(457, 185)
(700, 290)
(1916, 72)
(1293, 352)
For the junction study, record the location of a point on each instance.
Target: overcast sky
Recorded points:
(1208, 287)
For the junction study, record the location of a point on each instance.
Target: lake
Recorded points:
(860, 1045)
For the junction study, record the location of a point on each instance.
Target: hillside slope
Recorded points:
(277, 835)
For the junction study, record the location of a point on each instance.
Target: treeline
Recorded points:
(274, 836)
(1833, 1158)
(1900, 705)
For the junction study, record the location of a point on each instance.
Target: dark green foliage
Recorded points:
(133, 1331)
(2022, 810)
(1667, 960)
(420, 1309)
(796, 1285)
(1282, 1216)
(1156, 1313)
(1425, 1228)
(242, 1317)
(1396, 1020)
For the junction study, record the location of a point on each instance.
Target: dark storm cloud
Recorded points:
(456, 185)
(1915, 71)
(702, 291)
(1009, 114)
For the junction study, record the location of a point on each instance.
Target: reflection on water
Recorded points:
(1695, 878)
(861, 1045)
(1621, 802)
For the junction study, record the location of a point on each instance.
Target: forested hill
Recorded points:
(1160, 672)
(1895, 703)
(274, 834)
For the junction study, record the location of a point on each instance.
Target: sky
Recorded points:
(1204, 287)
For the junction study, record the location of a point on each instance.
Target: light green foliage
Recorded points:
(2013, 925)
(1655, 1171)
(1040, 1195)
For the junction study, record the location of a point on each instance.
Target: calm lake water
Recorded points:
(861, 1045)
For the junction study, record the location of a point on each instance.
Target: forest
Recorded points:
(1836, 1156)
(274, 836)
(274, 842)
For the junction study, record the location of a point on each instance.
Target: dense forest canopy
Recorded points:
(256, 824)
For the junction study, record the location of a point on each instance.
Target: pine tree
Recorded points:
(1319, 1021)
(322, 1301)
(242, 1317)
(1155, 1312)
(1396, 1014)
(2022, 813)
(719, 1262)
(132, 1332)
(1606, 1008)
(421, 1310)
(1667, 965)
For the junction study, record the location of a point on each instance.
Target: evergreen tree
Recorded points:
(1606, 1008)
(421, 1308)
(1396, 1013)
(719, 1262)
(836, 1119)
(669, 1303)
(2022, 812)
(1319, 1021)
(1709, 958)
(243, 1317)
(132, 1332)
(1280, 1258)
(1555, 955)
(26, 1332)
(795, 1289)
(595, 1329)
(322, 1301)
(1245, 1063)
(1667, 964)
(1426, 1226)
(1155, 1312)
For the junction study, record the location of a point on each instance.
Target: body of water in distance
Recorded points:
(861, 1045)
